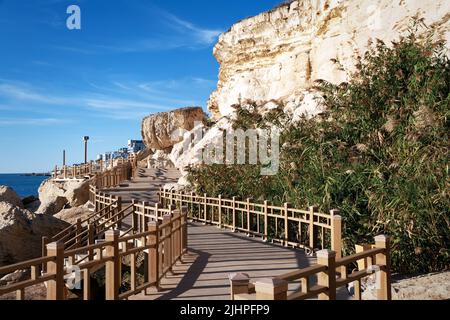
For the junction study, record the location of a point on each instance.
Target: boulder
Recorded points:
(72, 214)
(21, 233)
(7, 194)
(55, 195)
(29, 200)
(33, 206)
(161, 131)
(52, 206)
(433, 286)
(15, 277)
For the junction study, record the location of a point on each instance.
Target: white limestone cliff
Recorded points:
(277, 55)
(272, 60)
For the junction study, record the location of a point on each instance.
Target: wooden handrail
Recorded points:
(25, 264)
(358, 256)
(323, 230)
(325, 272)
(167, 237)
(306, 272)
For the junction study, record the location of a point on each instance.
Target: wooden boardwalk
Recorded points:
(145, 186)
(213, 253)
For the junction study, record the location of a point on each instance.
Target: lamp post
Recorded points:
(86, 139)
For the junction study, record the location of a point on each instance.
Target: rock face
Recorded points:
(159, 131)
(71, 215)
(275, 56)
(21, 233)
(189, 152)
(434, 286)
(54, 195)
(8, 195)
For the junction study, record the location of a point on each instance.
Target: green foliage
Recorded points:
(379, 153)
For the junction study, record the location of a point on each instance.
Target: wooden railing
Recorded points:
(108, 214)
(307, 229)
(110, 169)
(161, 239)
(323, 279)
(115, 176)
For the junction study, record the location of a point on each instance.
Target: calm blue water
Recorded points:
(24, 186)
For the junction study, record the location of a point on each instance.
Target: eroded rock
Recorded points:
(55, 195)
(159, 131)
(277, 55)
(7, 194)
(21, 233)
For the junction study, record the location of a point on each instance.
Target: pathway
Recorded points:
(213, 253)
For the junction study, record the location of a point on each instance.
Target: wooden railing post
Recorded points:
(234, 213)
(287, 206)
(271, 289)
(266, 220)
(175, 236)
(384, 282)
(248, 217)
(78, 233)
(184, 229)
(312, 232)
(44, 243)
(205, 208)
(119, 209)
(220, 211)
(238, 284)
(153, 254)
(91, 241)
(336, 233)
(134, 217)
(167, 245)
(327, 278)
(55, 287)
(112, 274)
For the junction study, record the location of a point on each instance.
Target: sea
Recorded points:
(23, 185)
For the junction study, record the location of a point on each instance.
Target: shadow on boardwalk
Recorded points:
(214, 254)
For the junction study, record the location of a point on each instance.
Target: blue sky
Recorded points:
(130, 59)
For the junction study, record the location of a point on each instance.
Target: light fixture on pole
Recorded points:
(86, 139)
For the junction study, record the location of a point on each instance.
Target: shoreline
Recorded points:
(25, 185)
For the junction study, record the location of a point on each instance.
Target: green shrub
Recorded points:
(379, 153)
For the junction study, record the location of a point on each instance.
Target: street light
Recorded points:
(86, 139)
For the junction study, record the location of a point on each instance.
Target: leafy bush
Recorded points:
(379, 154)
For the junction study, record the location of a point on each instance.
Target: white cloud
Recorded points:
(16, 91)
(120, 104)
(30, 121)
(184, 34)
(202, 36)
(120, 100)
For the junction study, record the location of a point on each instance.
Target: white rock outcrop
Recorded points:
(189, 152)
(8, 195)
(55, 195)
(21, 233)
(277, 55)
(160, 130)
